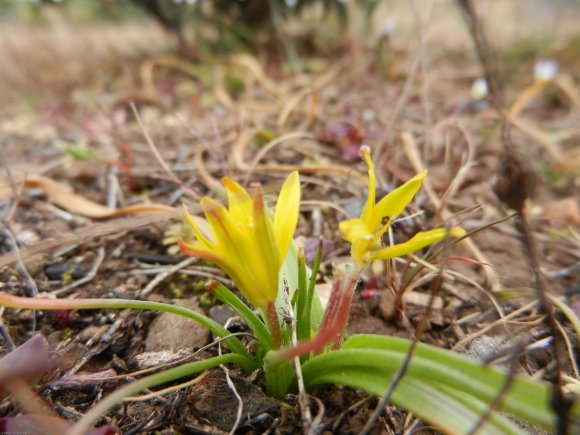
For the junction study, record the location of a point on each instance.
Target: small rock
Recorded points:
(484, 347)
(26, 237)
(221, 314)
(387, 305)
(172, 332)
(147, 360)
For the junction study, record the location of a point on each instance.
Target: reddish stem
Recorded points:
(274, 325)
(333, 322)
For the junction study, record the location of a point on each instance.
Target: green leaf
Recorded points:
(302, 314)
(10, 301)
(246, 314)
(289, 270)
(150, 381)
(370, 362)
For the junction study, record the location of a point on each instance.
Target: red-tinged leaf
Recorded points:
(332, 326)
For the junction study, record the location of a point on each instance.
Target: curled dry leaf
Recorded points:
(64, 197)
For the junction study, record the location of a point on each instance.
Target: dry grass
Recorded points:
(58, 57)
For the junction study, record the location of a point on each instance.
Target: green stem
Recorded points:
(10, 301)
(311, 287)
(163, 377)
(254, 322)
(279, 379)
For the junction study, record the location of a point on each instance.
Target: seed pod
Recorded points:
(516, 179)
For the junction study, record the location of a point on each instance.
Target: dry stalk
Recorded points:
(158, 156)
(243, 141)
(159, 278)
(506, 318)
(21, 267)
(83, 235)
(515, 184)
(412, 153)
(295, 99)
(421, 33)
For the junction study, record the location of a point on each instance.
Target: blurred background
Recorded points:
(50, 48)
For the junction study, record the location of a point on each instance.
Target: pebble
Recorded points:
(172, 332)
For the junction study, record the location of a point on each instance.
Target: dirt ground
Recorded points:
(67, 126)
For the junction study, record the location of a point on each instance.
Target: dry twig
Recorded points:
(515, 184)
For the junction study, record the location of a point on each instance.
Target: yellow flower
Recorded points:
(244, 240)
(365, 233)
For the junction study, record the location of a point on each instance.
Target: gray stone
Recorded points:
(172, 332)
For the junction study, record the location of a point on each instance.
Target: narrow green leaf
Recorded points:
(432, 404)
(289, 271)
(526, 399)
(150, 381)
(11, 301)
(370, 362)
(246, 314)
(310, 296)
(302, 323)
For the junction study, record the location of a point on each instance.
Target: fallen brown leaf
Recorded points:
(63, 196)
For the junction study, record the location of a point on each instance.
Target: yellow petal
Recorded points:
(418, 241)
(265, 251)
(191, 222)
(353, 229)
(239, 202)
(367, 211)
(199, 250)
(229, 241)
(286, 214)
(394, 203)
(236, 251)
(361, 251)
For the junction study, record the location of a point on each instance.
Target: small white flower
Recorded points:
(479, 89)
(368, 115)
(388, 28)
(545, 70)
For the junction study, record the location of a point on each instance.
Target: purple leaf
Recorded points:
(38, 424)
(27, 362)
(311, 249)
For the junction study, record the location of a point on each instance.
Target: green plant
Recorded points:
(255, 248)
